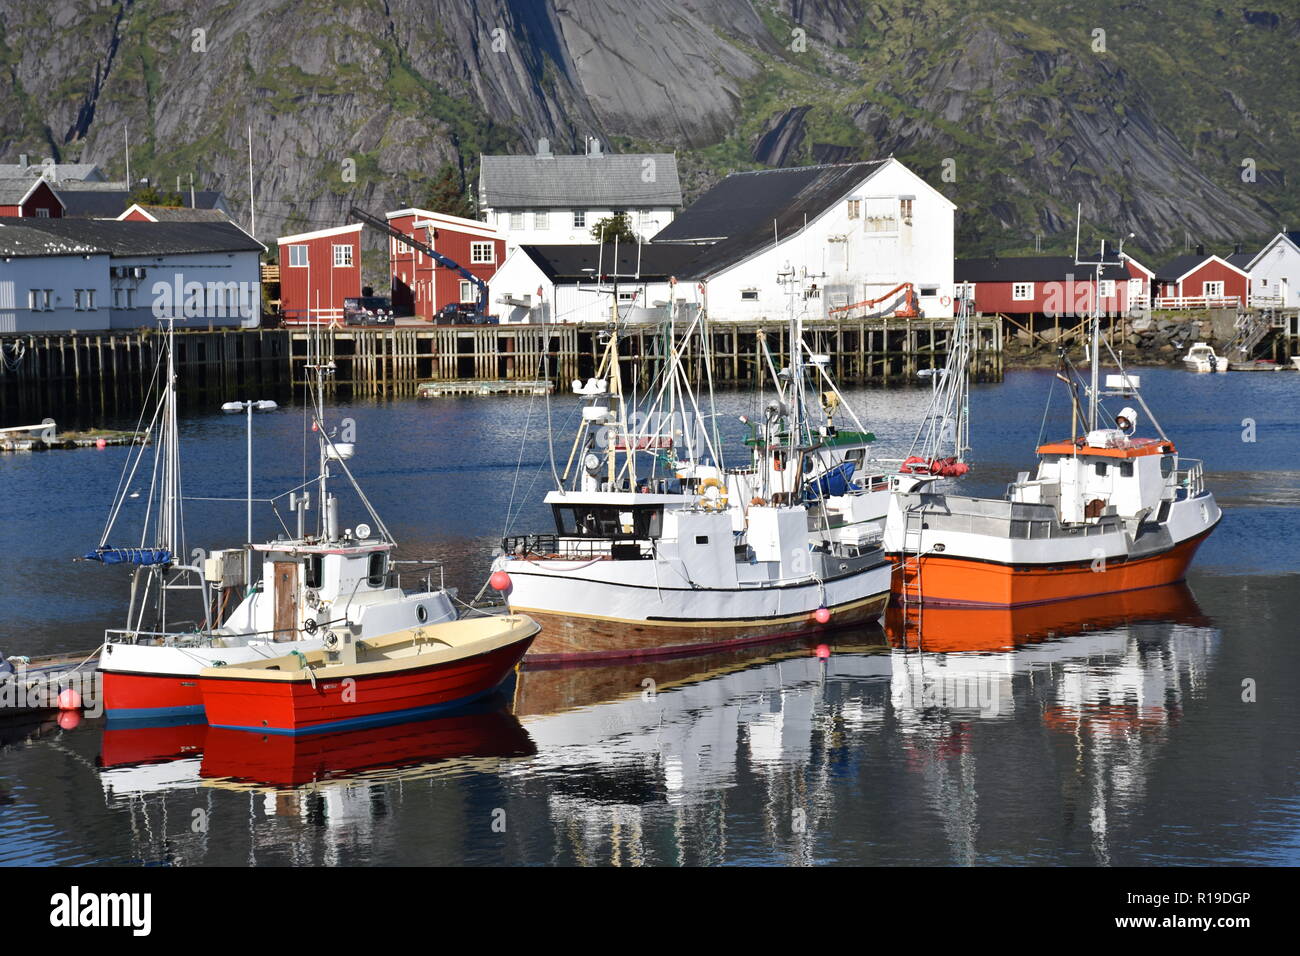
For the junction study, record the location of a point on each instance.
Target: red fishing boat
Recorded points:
(350, 683)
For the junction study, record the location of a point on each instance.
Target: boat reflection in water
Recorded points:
(963, 736)
(1108, 677)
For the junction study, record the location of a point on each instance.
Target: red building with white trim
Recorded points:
(29, 198)
(1200, 280)
(421, 287)
(318, 270)
(1051, 285)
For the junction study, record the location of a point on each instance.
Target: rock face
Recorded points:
(358, 102)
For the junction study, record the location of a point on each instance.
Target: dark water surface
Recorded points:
(1111, 732)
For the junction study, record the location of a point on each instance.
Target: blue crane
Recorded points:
(379, 224)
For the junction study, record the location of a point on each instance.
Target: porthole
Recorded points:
(421, 614)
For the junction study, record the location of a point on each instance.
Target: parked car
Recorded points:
(460, 313)
(368, 310)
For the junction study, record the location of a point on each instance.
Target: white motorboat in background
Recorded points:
(1202, 358)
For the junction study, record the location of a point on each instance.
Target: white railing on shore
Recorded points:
(1265, 301)
(1197, 302)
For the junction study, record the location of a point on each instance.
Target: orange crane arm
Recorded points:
(909, 310)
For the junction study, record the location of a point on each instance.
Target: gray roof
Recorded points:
(108, 203)
(737, 216)
(611, 180)
(145, 238)
(1031, 269)
(85, 172)
(580, 262)
(23, 241)
(184, 214)
(12, 191)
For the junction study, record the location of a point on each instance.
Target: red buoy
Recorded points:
(500, 581)
(69, 699)
(823, 652)
(822, 615)
(69, 719)
(100, 443)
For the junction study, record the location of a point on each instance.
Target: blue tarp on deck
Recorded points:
(144, 556)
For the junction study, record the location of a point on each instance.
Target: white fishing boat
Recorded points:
(1202, 358)
(1107, 511)
(659, 549)
(314, 581)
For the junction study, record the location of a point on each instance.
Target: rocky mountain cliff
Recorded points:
(1173, 119)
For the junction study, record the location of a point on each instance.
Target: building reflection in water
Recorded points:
(764, 754)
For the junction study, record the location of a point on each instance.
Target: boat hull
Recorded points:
(959, 581)
(577, 637)
(151, 698)
(301, 706)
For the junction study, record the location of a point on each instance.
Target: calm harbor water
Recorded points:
(1101, 733)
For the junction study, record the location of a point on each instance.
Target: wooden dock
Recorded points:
(860, 351)
(473, 387)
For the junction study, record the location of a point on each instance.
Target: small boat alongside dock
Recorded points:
(350, 684)
(483, 387)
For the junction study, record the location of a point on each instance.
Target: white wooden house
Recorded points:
(549, 199)
(854, 232)
(1275, 272)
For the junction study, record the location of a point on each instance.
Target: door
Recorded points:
(286, 600)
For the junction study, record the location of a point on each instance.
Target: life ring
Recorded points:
(757, 501)
(945, 300)
(716, 502)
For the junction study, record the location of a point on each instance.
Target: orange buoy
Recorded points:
(823, 652)
(69, 719)
(500, 581)
(69, 699)
(100, 443)
(822, 615)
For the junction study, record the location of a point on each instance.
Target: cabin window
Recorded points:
(314, 571)
(1126, 469)
(1100, 468)
(378, 565)
(1022, 291)
(298, 257)
(608, 521)
(1166, 465)
(701, 539)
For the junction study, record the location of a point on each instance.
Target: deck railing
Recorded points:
(1197, 302)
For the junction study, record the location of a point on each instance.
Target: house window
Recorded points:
(1106, 288)
(90, 299)
(342, 257)
(516, 220)
(813, 293)
(749, 295)
(855, 208)
(1022, 291)
(76, 300)
(964, 290)
(466, 291)
(541, 220)
(1212, 290)
(929, 290)
(481, 253)
(627, 296)
(643, 218)
(42, 214)
(298, 257)
(579, 219)
(905, 210)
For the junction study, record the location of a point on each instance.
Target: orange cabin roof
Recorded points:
(1134, 448)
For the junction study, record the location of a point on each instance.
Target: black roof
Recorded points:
(145, 238)
(18, 240)
(581, 262)
(1030, 269)
(736, 217)
(107, 203)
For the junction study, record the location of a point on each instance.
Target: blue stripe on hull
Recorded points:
(155, 715)
(372, 720)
